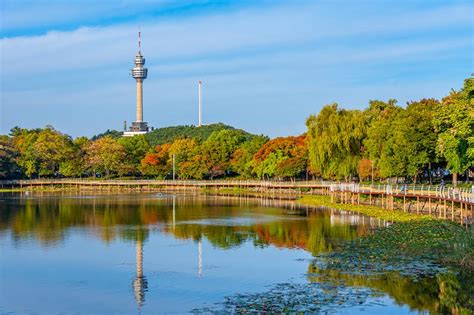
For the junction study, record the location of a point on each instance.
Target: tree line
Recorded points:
(427, 139)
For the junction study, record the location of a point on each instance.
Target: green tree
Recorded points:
(380, 142)
(242, 158)
(23, 140)
(105, 156)
(135, 148)
(183, 151)
(419, 135)
(196, 168)
(51, 148)
(76, 165)
(454, 123)
(8, 155)
(217, 150)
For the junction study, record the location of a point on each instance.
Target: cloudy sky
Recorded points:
(266, 65)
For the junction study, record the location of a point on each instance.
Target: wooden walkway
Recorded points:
(453, 204)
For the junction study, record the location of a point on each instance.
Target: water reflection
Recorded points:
(48, 220)
(224, 223)
(200, 258)
(446, 293)
(140, 284)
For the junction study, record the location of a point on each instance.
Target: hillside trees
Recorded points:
(170, 134)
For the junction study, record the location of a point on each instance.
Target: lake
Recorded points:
(160, 253)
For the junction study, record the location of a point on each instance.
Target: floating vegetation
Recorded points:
(411, 261)
(297, 298)
(416, 245)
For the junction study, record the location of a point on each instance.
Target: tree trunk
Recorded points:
(455, 179)
(429, 170)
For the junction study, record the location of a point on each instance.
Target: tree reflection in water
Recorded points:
(449, 292)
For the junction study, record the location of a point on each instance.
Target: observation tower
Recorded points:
(139, 73)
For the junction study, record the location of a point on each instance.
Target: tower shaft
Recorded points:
(139, 100)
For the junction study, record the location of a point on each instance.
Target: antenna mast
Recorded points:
(139, 46)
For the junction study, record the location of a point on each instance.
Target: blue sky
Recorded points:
(265, 65)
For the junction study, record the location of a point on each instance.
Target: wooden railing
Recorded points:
(465, 195)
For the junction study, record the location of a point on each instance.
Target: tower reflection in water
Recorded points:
(200, 258)
(140, 284)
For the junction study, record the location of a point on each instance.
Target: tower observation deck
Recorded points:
(139, 73)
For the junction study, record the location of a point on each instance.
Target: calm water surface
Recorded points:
(154, 253)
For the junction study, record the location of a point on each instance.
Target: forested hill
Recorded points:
(169, 134)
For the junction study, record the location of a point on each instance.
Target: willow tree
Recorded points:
(454, 122)
(335, 141)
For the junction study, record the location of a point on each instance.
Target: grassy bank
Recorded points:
(12, 190)
(238, 191)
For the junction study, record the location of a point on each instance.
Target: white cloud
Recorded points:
(89, 48)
